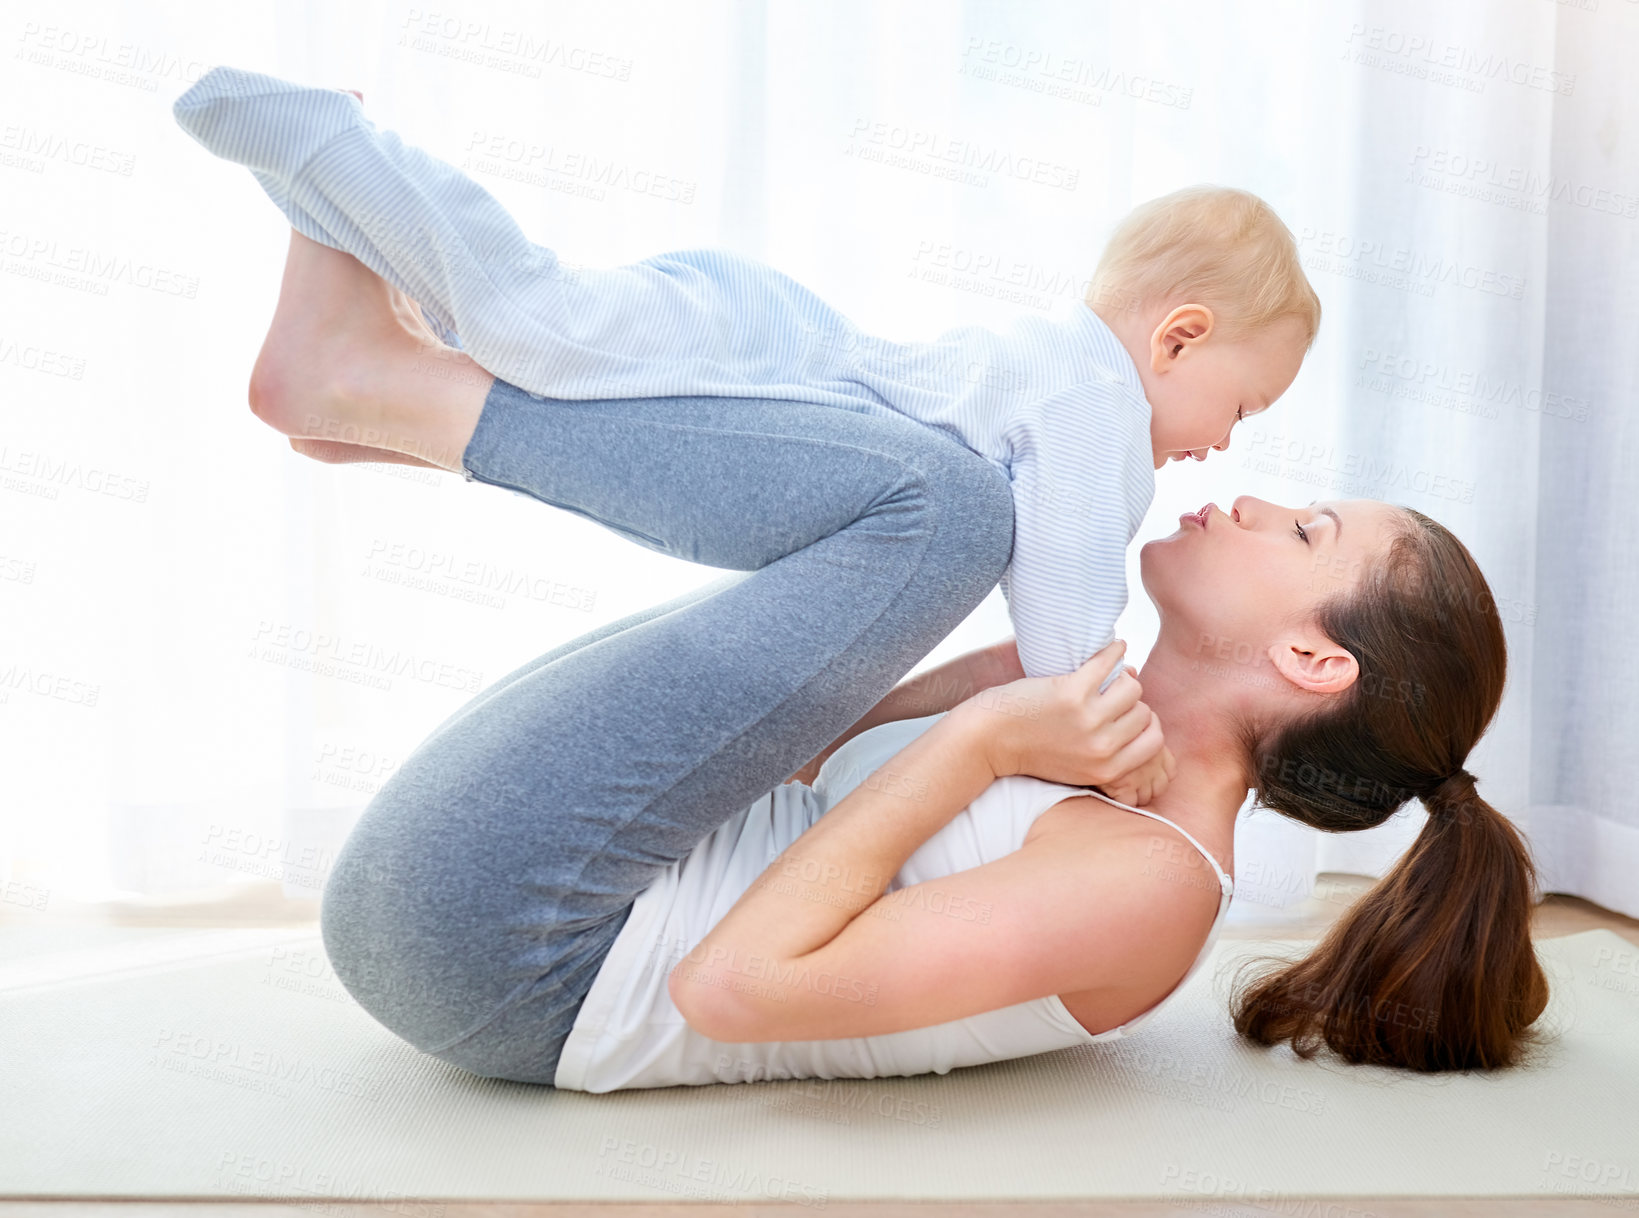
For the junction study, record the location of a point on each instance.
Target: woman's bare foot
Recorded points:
(351, 372)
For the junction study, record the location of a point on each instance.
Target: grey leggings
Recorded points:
(475, 900)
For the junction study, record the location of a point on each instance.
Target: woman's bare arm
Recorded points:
(843, 863)
(930, 693)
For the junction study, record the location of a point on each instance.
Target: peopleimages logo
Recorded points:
(543, 164)
(40, 146)
(42, 258)
(1400, 266)
(1056, 75)
(97, 57)
(353, 659)
(32, 358)
(1350, 473)
(931, 152)
(48, 474)
(676, 1169)
(461, 577)
(1444, 62)
(1385, 368)
(1513, 186)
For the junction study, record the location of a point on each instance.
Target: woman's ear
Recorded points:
(1179, 330)
(1314, 663)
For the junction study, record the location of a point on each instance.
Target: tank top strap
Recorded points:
(1224, 880)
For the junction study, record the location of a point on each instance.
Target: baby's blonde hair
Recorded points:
(1212, 245)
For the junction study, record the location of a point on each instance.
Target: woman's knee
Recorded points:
(380, 919)
(972, 505)
(361, 937)
(420, 915)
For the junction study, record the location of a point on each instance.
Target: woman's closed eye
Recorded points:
(1301, 534)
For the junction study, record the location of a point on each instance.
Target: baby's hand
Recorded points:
(1146, 782)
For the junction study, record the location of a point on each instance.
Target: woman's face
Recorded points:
(1229, 585)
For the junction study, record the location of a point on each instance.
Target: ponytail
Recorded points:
(1432, 969)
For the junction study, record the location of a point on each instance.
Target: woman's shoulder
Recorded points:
(1084, 823)
(1176, 889)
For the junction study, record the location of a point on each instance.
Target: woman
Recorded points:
(1337, 659)
(492, 879)
(458, 914)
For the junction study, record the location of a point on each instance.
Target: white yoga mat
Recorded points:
(232, 1064)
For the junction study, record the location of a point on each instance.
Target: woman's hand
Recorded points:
(1062, 729)
(1140, 786)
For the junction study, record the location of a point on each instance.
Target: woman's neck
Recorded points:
(1196, 708)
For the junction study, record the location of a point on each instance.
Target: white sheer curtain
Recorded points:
(215, 650)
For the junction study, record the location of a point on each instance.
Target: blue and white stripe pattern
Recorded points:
(1056, 404)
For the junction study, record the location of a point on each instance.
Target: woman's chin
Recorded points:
(1166, 572)
(1152, 573)
(1159, 554)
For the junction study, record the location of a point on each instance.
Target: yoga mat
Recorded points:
(232, 1064)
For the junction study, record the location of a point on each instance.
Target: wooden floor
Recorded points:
(1555, 916)
(1282, 1207)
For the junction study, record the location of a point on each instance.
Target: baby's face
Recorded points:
(1203, 388)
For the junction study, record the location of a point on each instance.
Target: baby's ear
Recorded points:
(1182, 328)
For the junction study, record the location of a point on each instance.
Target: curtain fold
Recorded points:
(1584, 748)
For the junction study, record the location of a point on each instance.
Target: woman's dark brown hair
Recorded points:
(1433, 968)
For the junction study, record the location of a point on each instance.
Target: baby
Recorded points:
(1197, 316)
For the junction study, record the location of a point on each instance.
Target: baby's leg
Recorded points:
(418, 222)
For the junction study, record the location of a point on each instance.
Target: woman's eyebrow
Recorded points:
(1336, 519)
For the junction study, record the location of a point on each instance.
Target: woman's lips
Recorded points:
(1199, 517)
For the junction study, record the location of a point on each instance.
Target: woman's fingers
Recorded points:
(1114, 702)
(1102, 663)
(1123, 730)
(1145, 746)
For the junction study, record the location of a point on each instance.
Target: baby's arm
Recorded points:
(1076, 507)
(1080, 491)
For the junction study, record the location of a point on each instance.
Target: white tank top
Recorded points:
(628, 1032)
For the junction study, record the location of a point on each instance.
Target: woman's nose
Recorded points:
(1246, 509)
